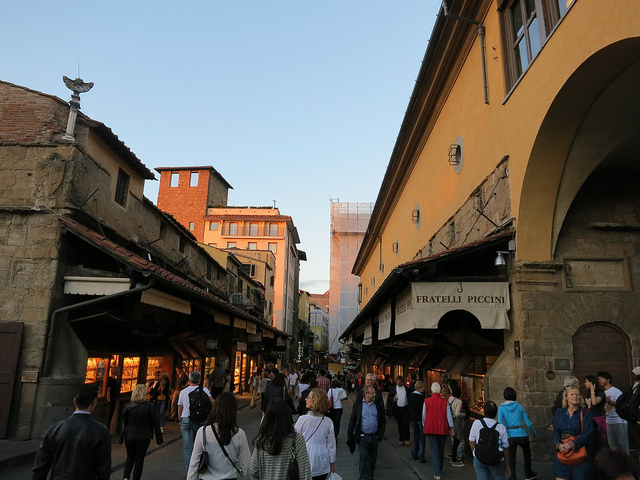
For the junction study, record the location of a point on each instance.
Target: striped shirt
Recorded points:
(269, 467)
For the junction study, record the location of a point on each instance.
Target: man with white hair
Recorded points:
(438, 425)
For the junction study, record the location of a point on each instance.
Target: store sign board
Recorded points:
(241, 346)
(384, 321)
(487, 301)
(212, 344)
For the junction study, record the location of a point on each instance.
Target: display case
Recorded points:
(154, 364)
(209, 365)
(191, 364)
(97, 373)
(130, 369)
(473, 392)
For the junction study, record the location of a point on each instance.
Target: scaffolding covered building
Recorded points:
(349, 223)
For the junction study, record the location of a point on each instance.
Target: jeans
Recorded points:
(368, 450)
(189, 430)
(522, 442)
(402, 418)
(161, 405)
(417, 448)
(436, 446)
(618, 437)
(136, 450)
(488, 472)
(336, 416)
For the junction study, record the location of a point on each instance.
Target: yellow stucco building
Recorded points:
(521, 137)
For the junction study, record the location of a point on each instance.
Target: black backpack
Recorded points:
(622, 406)
(488, 445)
(199, 405)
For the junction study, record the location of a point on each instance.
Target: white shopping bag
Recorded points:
(334, 476)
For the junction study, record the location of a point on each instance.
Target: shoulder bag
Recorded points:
(317, 426)
(225, 452)
(293, 473)
(574, 457)
(203, 461)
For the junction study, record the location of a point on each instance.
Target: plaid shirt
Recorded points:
(323, 383)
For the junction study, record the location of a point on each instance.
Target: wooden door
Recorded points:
(601, 347)
(10, 338)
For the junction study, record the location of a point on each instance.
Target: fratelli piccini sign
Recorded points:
(423, 304)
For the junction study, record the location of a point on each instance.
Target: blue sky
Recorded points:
(292, 101)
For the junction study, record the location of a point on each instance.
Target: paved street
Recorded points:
(394, 461)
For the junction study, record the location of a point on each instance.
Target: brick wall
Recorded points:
(186, 204)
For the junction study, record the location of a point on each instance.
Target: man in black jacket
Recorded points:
(78, 447)
(366, 428)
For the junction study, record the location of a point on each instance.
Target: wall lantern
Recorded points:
(415, 215)
(500, 261)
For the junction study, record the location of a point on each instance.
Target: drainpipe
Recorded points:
(94, 301)
(481, 33)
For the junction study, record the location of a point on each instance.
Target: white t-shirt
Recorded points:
(183, 399)
(612, 416)
(474, 434)
(335, 392)
(293, 378)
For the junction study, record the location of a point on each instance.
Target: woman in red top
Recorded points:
(438, 424)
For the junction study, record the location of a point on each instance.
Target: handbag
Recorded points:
(331, 399)
(203, 461)
(293, 473)
(225, 452)
(342, 396)
(573, 457)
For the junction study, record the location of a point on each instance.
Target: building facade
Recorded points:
(96, 280)
(186, 192)
(502, 249)
(260, 229)
(349, 223)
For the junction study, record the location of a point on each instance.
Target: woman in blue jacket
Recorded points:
(513, 416)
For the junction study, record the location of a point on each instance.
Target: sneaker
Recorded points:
(457, 463)
(400, 442)
(533, 476)
(407, 442)
(161, 429)
(437, 477)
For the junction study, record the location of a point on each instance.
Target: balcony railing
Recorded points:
(252, 231)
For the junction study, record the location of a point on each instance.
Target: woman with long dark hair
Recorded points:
(140, 421)
(277, 445)
(596, 400)
(221, 432)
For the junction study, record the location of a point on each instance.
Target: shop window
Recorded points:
(154, 364)
(130, 369)
(526, 25)
(97, 373)
(175, 179)
(122, 188)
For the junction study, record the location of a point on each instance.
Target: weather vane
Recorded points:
(77, 86)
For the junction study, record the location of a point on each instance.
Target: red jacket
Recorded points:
(435, 422)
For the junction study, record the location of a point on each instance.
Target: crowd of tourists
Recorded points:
(590, 436)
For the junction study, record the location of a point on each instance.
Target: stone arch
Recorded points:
(594, 119)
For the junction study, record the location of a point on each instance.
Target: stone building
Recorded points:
(504, 248)
(96, 280)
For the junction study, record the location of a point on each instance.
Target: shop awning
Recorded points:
(95, 285)
(423, 304)
(164, 300)
(384, 324)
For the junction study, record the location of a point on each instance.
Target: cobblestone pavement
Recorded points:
(394, 461)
